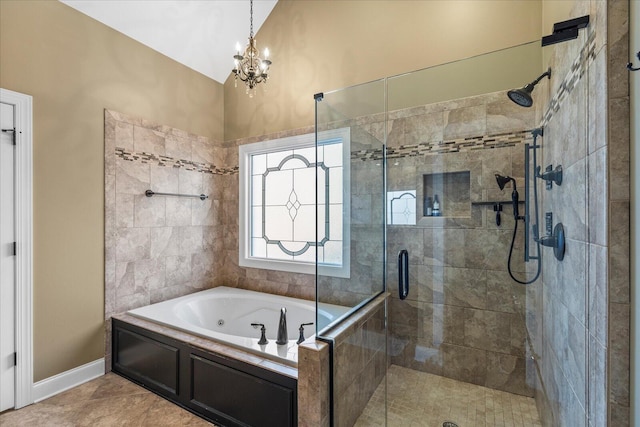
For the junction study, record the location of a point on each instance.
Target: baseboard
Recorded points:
(64, 381)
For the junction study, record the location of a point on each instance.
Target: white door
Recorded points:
(7, 259)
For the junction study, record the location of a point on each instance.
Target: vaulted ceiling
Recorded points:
(200, 34)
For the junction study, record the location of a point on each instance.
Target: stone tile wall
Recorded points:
(366, 232)
(617, 163)
(579, 314)
(464, 317)
(313, 384)
(228, 272)
(157, 248)
(359, 361)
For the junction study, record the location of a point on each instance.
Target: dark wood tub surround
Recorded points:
(224, 385)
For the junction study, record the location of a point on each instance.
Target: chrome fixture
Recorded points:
(551, 175)
(151, 193)
(555, 237)
(301, 338)
(283, 337)
(522, 96)
(249, 67)
(263, 331)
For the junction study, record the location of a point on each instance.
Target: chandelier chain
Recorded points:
(251, 18)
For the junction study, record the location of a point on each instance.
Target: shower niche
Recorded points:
(453, 192)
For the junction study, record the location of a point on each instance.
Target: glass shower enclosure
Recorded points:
(438, 327)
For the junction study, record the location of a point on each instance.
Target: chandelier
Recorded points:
(249, 67)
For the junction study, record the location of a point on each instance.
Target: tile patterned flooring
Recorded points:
(108, 401)
(419, 399)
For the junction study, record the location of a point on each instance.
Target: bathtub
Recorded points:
(225, 315)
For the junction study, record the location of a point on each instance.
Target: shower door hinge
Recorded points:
(15, 359)
(13, 134)
(15, 249)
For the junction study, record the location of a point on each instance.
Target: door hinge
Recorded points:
(15, 249)
(15, 359)
(13, 134)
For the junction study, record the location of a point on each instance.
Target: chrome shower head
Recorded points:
(522, 96)
(504, 180)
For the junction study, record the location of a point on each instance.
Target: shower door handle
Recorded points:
(403, 273)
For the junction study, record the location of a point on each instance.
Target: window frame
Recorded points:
(244, 202)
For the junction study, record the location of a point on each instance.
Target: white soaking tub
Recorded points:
(226, 314)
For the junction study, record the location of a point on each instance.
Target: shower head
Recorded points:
(504, 180)
(522, 96)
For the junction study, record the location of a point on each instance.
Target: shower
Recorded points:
(522, 96)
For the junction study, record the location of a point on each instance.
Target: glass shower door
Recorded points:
(457, 342)
(350, 176)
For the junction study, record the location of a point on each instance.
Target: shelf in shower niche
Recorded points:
(448, 217)
(453, 190)
(499, 202)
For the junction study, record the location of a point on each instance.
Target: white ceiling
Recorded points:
(201, 34)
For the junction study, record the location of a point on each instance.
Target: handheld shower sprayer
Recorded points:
(502, 182)
(515, 198)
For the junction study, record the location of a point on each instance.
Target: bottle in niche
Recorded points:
(427, 207)
(436, 206)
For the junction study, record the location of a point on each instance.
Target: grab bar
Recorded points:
(403, 273)
(150, 193)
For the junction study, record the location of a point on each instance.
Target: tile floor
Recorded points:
(416, 399)
(419, 399)
(109, 400)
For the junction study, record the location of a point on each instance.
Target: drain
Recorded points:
(221, 322)
(449, 424)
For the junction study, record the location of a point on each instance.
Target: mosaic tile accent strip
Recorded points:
(159, 160)
(578, 68)
(482, 142)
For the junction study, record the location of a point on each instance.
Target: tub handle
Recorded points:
(301, 338)
(263, 333)
(403, 274)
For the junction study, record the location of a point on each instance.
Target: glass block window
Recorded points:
(278, 203)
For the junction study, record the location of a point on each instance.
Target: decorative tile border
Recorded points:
(159, 160)
(482, 142)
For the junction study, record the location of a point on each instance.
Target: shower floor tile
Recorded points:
(419, 399)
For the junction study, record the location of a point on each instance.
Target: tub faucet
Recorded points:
(263, 331)
(301, 329)
(283, 338)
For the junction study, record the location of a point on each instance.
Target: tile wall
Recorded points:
(579, 314)
(464, 317)
(359, 361)
(228, 272)
(618, 205)
(157, 248)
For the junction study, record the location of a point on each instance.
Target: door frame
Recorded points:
(23, 110)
